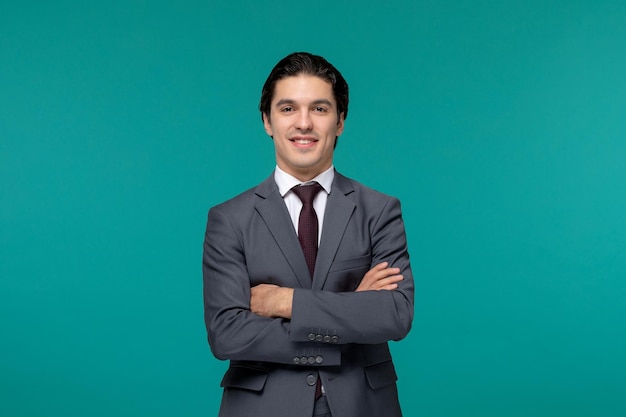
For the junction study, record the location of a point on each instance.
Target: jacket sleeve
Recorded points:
(367, 317)
(234, 332)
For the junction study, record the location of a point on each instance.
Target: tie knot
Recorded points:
(306, 193)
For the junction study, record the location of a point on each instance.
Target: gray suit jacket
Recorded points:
(334, 332)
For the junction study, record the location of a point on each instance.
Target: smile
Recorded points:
(303, 141)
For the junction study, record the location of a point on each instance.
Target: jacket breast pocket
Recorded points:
(381, 375)
(245, 377)
(346, 274)
(351, 263)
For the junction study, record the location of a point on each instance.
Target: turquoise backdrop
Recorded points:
(500, 125)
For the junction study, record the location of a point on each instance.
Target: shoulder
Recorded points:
(244, 202)
(240, 201)
(361, 193)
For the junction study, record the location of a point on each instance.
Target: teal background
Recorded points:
(500, 126)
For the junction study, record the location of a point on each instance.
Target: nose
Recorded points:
(304, 122)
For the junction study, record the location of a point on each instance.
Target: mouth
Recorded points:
(303, 140)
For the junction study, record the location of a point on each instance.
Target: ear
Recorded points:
(340, 124)
(267, 125)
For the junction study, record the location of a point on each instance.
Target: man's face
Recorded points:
(304, 124)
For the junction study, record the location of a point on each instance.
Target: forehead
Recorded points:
(303, 87)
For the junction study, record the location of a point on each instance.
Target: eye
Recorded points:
(319, 109)
(286, 109)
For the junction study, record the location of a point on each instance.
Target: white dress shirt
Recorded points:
(286, 182)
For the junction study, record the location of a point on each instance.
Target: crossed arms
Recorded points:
(272, 301)
(254, 311)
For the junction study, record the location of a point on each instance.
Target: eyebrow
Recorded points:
(314, 103)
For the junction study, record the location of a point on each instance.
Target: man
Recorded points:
(303, 289)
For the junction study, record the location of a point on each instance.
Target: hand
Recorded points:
(380, 277)
(269, 300)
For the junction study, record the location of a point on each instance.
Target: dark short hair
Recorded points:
(305, 63)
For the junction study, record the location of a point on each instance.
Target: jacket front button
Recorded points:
(311, 380)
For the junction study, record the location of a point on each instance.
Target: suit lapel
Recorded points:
(339, 209)
(272, 209)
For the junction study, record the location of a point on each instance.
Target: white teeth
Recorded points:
(303, 141)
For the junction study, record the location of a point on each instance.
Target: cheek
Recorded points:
(277, 129)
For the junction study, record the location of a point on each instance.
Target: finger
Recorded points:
(389, 281)
(378, 275)
(380, 266)
(389, 287)
(395, 278)
(390, 271)
(385, 279)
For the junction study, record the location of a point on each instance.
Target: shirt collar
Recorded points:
(286, 182)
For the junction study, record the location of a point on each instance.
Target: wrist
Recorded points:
(286, 302)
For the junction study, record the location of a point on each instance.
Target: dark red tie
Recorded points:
(307, 224)
(308, 229)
